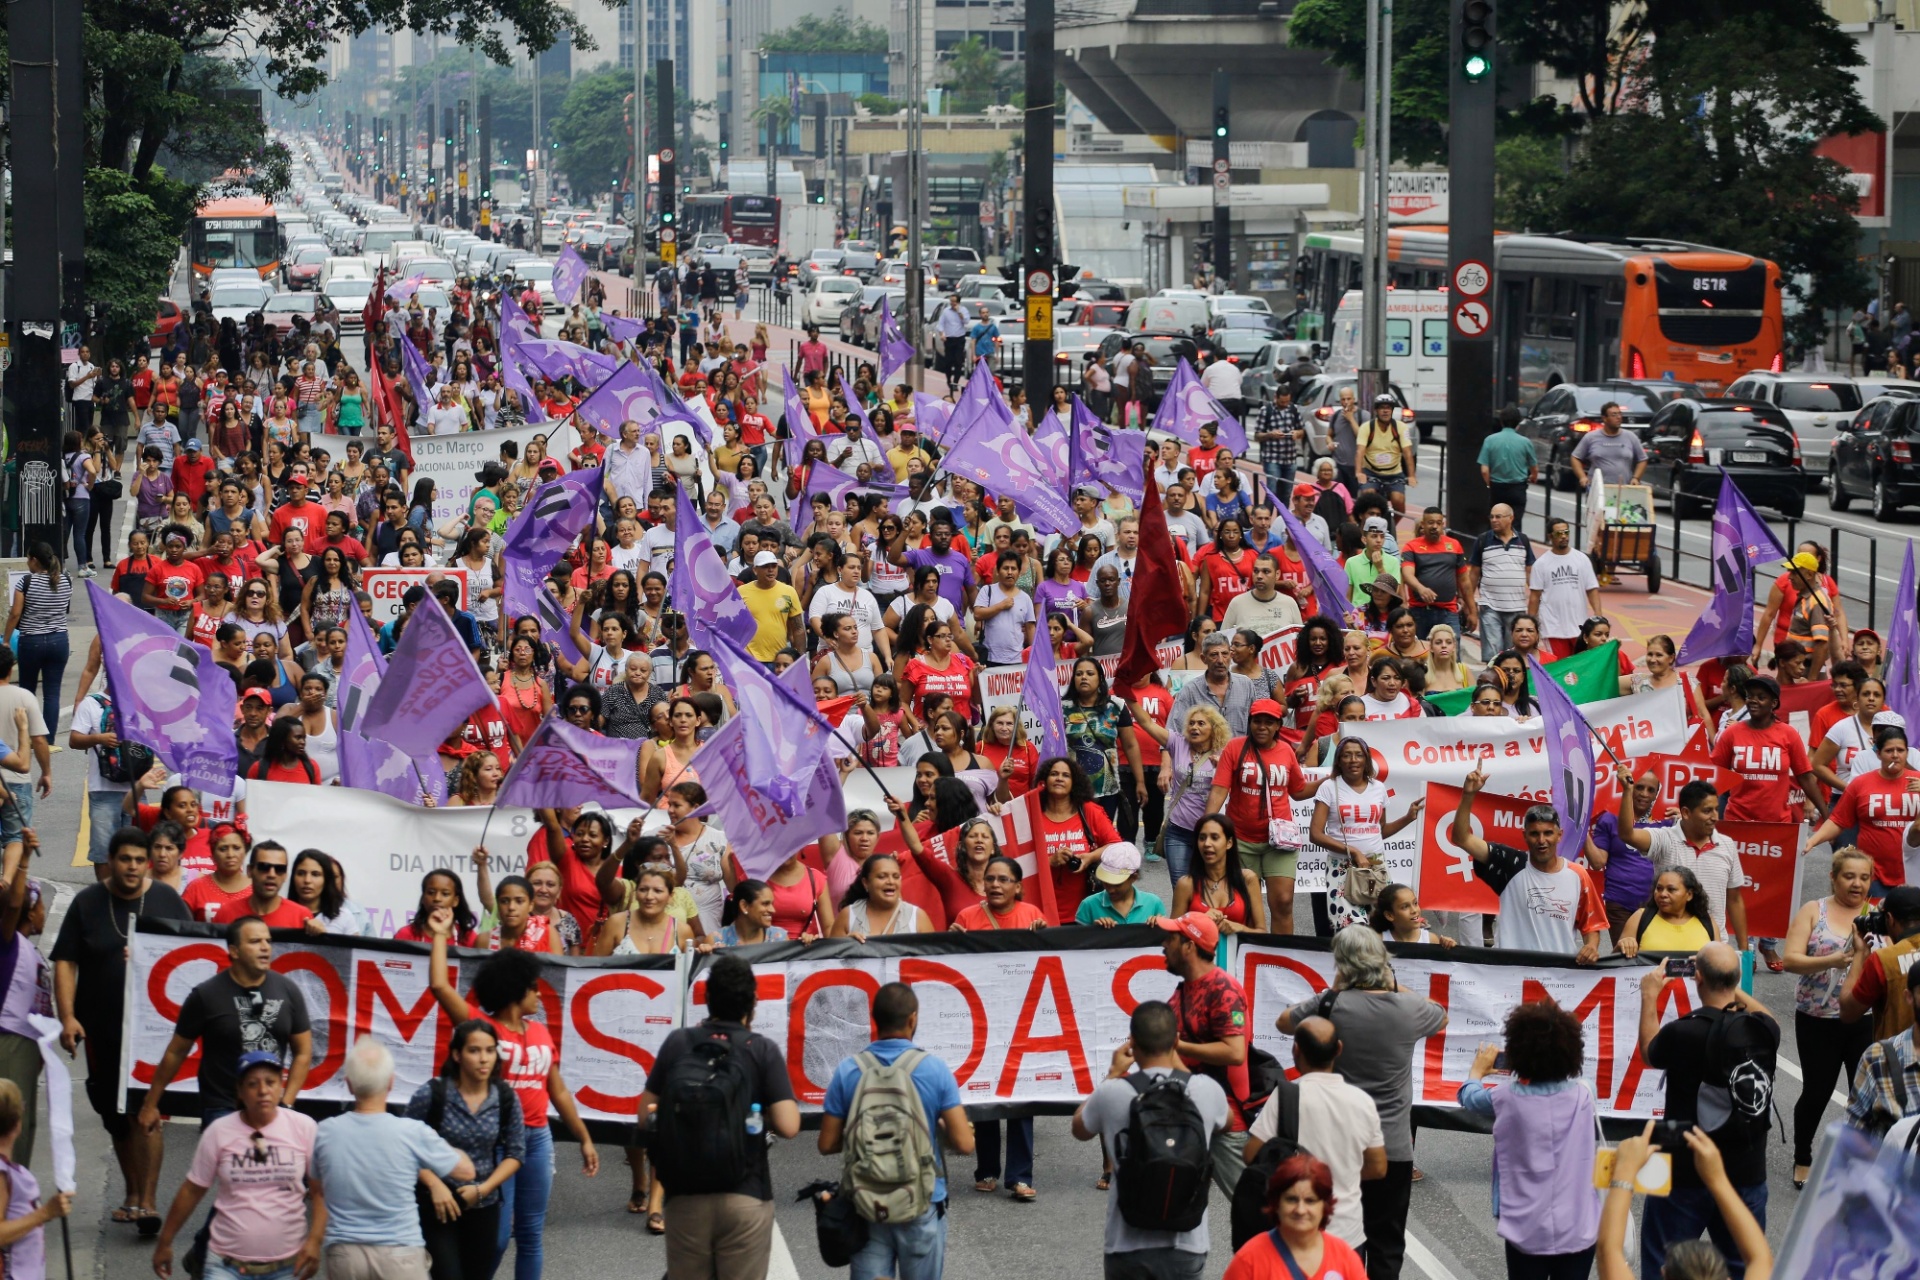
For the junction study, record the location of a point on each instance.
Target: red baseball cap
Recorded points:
(1266, 707)
(259, 693)
(1197, 925)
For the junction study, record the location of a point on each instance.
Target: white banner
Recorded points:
(386, 845)
(607, 1017)
(1021, 1018)
(1408, 754)
(387, 586)
(1477, 997)
(453, 461)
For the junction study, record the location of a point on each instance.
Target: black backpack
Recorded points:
(698, 1139)
(1250, 1192)
(1736, 1090)
(1162, 1160)
(129, 762)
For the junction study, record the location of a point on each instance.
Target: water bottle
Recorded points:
(756, 1124)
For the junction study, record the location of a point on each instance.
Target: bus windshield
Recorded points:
(237, 242)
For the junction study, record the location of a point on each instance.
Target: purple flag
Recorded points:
(431, 686)
(569, 273)
(1187, 405)
(512, 375)
(555, 628)
(360, 676)
(1570, 760)
(1903, 649)
(1054, 447)
(895, 351)
(562, 766)
(1040, 691)
(622, 328)
(168, 694)
(635, 392)
(824, 477)
(699, 586)
(931, 414)
(417, 371)
(557, 513)
(405, 289)
(854, 406)
(556, 359)
(1107, 455)
(1330, 593)
(799, 421)
(1741, 541)
(371, 764)
(513, 318)
(789, 734)
(990, 449)
(762, 833)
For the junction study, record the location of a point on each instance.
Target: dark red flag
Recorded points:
(1156, 610)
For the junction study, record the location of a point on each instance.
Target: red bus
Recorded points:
(741, 217)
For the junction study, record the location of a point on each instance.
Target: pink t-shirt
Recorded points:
(260, 1186)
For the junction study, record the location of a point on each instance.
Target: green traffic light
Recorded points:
(1477, 66)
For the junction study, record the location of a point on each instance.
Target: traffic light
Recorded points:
(1476, 39)
(1219, 122)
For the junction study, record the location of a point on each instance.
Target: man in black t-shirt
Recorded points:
(89, 986)
(1696, 1052)
(730, 1235)
(245, 1008)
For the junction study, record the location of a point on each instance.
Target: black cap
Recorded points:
(491, 473)
(1903, 902)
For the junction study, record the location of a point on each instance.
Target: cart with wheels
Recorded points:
(1624, 535)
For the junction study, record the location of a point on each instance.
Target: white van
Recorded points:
(1416, 347)
(1169, 313)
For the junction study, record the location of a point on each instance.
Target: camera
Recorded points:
(1670, 1135)
(1874, 921)
(1681, 966)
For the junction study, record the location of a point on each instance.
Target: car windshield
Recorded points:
(1259, 321)
(291, 302)
(1100, 313)
(236, 296)
(431, 298)
(862, 261)
(839, 284)
(1729, 417)
(310, 255)
(533, 270)
(1819, 397)
(1240, 342)
(1630, 399)
(352, 289)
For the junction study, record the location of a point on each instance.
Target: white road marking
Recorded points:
(780, 1260)
(1422, 1257)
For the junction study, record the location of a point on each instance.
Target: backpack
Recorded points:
(1162, 1160)
(698, 1138)
(1737, 1087)
(128, 762)
(1249, 1214)
(890, 1166)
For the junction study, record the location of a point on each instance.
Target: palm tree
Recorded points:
(775, 115)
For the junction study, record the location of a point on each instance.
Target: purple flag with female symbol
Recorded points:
(372, 764)
(895, 351)
(168, 694)
(824, 477)
(991, 450)
(1107, 455)
(1570, 759)
(622, 328)
(1187, 405)
(699, 587)
(1903, 649)
(1330, 594)
(569, 273)
(555, 625)
(557, 359)
(931, 415)
(1040, 691)
(789, 737)
(1053, 446)
(361, 672)
(562, 766)
(1741, 541)
(761, 832)
(513, 376)
(513, 318)
(418, 374)
(431, 685)
(799, 421)
(556, 514)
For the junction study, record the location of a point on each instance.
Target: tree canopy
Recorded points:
(838, 32)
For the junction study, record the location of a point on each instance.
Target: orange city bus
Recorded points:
(234, 231)
(1573, 308)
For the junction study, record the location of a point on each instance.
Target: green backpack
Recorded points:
(891, 1165)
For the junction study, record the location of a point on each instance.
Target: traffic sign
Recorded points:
(668, 235)
(1040, 281)
(1472, 278)
(666, 155)
(1039, 317)
(1472, 319)
(1222, 166)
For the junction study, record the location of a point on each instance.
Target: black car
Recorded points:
(1691, 442)
(1571, 410)
(1167, 350)
(1873, 455)
(1660, 389)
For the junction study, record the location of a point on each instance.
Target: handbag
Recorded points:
(838, 1227)
(1363, 884)
(1282, 833)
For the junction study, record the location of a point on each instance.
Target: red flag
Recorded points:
(393, 409)
(376, 309)
(1158, 610)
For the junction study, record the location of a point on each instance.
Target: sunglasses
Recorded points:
(1487, 702)
(271, 868)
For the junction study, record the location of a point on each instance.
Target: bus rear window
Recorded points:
(1707, 307)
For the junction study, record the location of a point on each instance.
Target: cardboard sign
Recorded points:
(389, 586)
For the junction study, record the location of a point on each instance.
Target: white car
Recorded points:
(537, 272)
(828, 298)
(349, 293)
(1228, 302)
(235, 300)
(1814, 403)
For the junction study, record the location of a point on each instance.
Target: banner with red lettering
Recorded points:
(1674, 773)
(608, 1016)
(1770, 856)
(1027, 1018)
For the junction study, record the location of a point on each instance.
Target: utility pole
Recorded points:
(483, 109)
(1470, 296)
(1041, 260)
(35, 406)
(637, 119)
(910, 202)
(538, 197)
(465, 175)
(669, 225)
(1373, 199)
(1222, 180)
